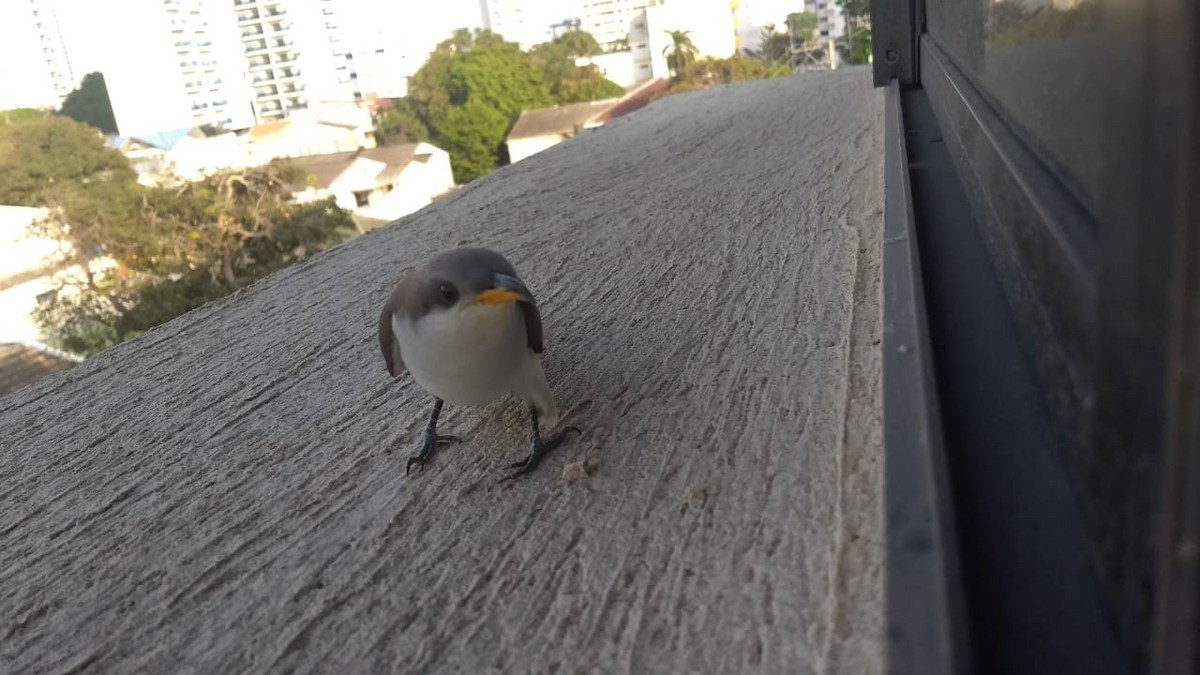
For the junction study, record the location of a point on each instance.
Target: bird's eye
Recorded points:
(448, 294)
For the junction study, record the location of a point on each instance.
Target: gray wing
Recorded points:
(533, 326)
(387, 340)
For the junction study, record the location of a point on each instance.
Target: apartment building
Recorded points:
(180, 67)
(34, 66)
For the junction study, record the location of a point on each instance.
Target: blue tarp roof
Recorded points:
(161, 139)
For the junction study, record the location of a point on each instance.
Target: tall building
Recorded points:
(295, 52)
(610, 21)
(527, 22)
(709, 23)
(35, 70)
(831, 20)
(184, 70)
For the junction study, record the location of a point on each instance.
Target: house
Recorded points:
(384, 183)
(324, 128)
(188, 152)
(32, 269)
(537, 130)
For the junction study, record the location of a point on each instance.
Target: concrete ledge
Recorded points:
(227, 493)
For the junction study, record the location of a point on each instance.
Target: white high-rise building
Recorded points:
(35, 71)
(295, 52)
(181, 68)
(527, 22)
(610, 21)
(709, 23)
(831, 20)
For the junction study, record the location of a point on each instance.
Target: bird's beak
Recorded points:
(505, 289)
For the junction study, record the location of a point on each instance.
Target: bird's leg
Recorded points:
(541, 447)
(432, 440)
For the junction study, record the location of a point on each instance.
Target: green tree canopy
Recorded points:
(568, 82)
(474, 86)
(90, 104)
(19, 116)
(38, 157)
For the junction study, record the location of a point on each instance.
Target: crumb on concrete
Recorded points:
(576, 471)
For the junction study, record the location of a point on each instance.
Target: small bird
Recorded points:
(469, 331)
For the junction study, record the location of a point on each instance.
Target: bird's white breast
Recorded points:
(467, 355)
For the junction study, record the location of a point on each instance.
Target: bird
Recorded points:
(468, 330)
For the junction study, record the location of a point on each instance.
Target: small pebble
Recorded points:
(575, 472)
(695, 497)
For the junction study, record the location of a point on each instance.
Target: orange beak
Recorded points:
(496, 296)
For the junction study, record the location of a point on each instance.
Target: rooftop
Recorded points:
(325, 169)
(560, 119)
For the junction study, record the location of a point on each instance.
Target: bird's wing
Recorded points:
(387, 340)
(533, 325)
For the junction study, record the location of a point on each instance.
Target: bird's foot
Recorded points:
(541, 448)
(432, 442)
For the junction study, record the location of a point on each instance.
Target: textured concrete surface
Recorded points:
(227, 493)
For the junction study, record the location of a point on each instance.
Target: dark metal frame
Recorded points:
(1086, 539)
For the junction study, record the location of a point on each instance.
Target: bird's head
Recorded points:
(471, 278)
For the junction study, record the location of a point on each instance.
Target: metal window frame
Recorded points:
(1121, 331)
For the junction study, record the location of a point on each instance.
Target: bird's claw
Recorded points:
(432, 442)
(540, 450)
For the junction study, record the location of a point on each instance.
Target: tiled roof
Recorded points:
(325, 169)
(22, 365)
(561, 119)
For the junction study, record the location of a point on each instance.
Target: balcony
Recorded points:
(252, 32)
(287, 74)
(247, 18)
(256, 47)
(163, 448)
(264, 95)
(259, 63)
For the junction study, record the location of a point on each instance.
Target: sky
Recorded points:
(89, 26)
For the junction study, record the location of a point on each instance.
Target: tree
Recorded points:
(681, 52)
(472, 134)
(856, 8)
(776, 46)
(40, 155)
(579, 43)
(568, 82)
(708, 72)
(89, 103)
(19, 116)
(802, 26)
(400, 121)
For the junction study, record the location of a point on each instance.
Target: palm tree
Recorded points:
(680, 53)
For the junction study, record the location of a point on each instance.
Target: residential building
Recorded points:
(609, 20)
(383, 183)
(709, 24)
(34, 65)
(527, 22)
(543, 128)
(322, 128)
(831, 20)
(186, 68)
(619, 67)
